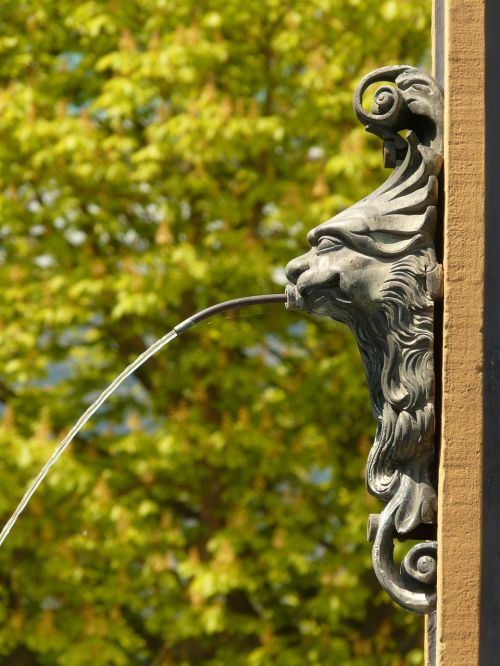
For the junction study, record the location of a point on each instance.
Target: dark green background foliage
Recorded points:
(158, 156)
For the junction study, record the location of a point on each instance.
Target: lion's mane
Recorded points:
(396, 347)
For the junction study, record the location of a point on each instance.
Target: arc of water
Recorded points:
(140, 360)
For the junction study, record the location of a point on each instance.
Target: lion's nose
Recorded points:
(296, 267)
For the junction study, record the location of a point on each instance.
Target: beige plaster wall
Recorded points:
(460, 479)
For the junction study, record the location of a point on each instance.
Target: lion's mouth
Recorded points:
(310, 297)
(332, 286)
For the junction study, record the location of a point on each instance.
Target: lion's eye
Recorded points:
(327, 244)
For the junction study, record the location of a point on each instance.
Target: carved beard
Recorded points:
(396, 348)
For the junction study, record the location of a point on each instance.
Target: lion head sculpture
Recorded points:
(373, 267)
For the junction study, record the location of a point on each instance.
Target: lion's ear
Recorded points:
(434, 281)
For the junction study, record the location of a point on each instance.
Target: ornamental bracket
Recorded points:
(373, 267)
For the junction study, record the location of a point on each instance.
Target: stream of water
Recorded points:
(153, 349)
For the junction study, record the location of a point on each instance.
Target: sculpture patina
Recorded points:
(373, 266)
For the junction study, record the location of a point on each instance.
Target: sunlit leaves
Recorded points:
(158, 156)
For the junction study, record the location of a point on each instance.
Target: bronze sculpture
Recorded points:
(373, 267)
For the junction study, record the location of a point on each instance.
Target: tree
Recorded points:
(158, 156)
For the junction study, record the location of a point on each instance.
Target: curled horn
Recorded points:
(390, 112)
(415, 103)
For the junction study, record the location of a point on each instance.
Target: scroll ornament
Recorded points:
(373, 267)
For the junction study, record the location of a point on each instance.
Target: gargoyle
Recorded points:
(373, 267)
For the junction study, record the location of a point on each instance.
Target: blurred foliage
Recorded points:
(158, 156)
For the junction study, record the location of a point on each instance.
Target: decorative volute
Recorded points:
(373, 266)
